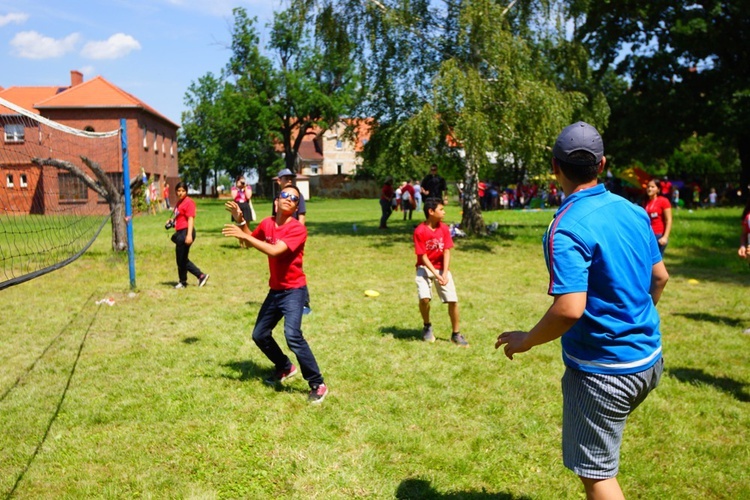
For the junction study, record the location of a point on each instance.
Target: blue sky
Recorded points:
(153, 49)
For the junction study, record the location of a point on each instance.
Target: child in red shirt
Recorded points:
(282, 238)
(432, 244)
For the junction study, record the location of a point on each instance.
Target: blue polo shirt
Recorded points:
(602, 244)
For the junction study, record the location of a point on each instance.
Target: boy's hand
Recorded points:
(234, 209)
(742, 252)
(442, 278)
(514, 342)
(230, 230)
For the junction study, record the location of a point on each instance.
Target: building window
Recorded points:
(14, 132)
(339, 168)
(314, 169)
(88, 128)
(24, 181)
(71, 188)
(9, 181)
(145, 138)
(339, 144)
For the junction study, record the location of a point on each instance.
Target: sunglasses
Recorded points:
(289, 196)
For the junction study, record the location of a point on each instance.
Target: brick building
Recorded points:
(95, 106)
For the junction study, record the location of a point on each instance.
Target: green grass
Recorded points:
(160, 395)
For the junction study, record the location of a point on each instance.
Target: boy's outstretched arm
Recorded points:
(659, 278)
(562, 314)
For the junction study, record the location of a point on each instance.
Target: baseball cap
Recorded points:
(286, 172)
(578, 137)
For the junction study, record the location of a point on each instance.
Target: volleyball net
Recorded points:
(54, 185)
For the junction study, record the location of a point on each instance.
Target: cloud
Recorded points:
(13, 17)
(116, 46)
(32, 45)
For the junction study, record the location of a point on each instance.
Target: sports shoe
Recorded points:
(306, 309)
(318, 394)
(280, 376)
(427, 335)
(202, 280)
(459, 340)
(180, 285)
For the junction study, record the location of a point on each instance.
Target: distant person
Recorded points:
(744, 240)
(712, 198)
(606, 277)
(418, 195)
(399, 192)
(183, 221)
(286, 178)
(282, 238)
(386, 198)
(165, 196)
(242, 195)
(434, 186)
(666, 187)
(675, 197)
(407, 199)
(659, 211)
(432, 244)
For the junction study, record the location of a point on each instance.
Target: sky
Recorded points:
(153, 49)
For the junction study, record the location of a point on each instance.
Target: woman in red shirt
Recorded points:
(184, 234)
(659, 211)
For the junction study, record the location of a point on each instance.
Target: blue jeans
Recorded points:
(286, 304)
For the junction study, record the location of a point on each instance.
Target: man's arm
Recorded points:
(659, 278)
(564, 312)
(242, 233)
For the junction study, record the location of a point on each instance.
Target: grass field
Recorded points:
(161, 395)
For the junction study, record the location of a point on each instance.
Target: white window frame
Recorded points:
(9, 181)
(14, 132)
(23, 181)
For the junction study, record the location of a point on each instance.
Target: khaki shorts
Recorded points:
(424, 280)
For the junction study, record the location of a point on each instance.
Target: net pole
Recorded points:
(128, 201)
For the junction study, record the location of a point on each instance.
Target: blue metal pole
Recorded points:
(128, 201)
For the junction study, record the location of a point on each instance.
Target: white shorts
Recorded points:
(424, 280)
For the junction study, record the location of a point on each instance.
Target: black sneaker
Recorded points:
(202, 280)
(280, 376)
(318, 394)
(427, 334)
(459, 340)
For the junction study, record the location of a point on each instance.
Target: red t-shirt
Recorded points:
(432, 243)
(655, 210)
(387, 193)
(286, 269)
(183, 210)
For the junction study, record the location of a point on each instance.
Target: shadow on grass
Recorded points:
(412, 489)
(249, 370)
(712, 318)
(401, 333)
(190, 340)
(726, 384)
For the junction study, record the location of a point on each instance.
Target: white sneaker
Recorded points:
(180, 285)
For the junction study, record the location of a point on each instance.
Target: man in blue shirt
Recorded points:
(606, 277)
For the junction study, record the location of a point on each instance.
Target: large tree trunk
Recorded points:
(472, 221)
(102, 186)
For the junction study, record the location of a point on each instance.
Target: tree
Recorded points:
(313, 83)
(104, 187)
(689, 67)
(490, 93)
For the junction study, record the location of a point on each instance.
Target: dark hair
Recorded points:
(657, 183)
(430, 204)
(578, 173)
(179, 185)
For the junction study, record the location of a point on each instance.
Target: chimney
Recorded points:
(76, 78)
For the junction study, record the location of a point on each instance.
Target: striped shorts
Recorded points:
(595, 408)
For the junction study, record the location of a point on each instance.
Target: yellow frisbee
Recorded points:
(371, 293)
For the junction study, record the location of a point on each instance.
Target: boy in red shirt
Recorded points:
(282, 238)
(432, 244)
